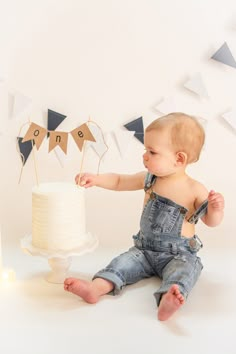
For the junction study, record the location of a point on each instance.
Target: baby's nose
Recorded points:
(145, 156)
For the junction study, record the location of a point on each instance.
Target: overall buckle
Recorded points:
(195, 243)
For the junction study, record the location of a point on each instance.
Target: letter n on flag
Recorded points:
(81, 134)
(58, 138)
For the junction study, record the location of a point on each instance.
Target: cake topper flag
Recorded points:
(81, 134)
(54, 120)
(36, 133)
(25, 149)
(136, 126)
(196, 85)
(58, 139)
(224, 56)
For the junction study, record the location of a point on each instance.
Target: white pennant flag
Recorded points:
(230, 118)
(21, 105)
(123, 139)
(3, 104)
(166, 106)
(99, 146)
(196, 85)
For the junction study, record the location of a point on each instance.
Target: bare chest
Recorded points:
(178, 193)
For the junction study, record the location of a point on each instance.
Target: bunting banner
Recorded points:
(36, 133)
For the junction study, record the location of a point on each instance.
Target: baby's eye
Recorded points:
(151, 152)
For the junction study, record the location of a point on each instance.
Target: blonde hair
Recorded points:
(187, 134)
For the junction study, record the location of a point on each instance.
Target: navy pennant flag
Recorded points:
(224, 55)
(24, 148)
(54, 120)
(136, 126)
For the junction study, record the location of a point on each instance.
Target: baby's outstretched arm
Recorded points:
(112, 181)
(215, 209)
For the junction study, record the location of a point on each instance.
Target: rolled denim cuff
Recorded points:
(114, 277)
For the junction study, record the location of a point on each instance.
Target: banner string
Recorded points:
(83, 152)
(84, 146)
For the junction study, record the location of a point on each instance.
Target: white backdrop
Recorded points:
(115, 61)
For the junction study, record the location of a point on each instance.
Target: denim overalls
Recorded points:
(159, 249)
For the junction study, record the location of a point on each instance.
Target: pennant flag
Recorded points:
(196, 85)
(24, 148)
(3, 103)
(36, 133)
(58, 139)
(21, 104)
(99, 146)
(136, 126)
(123, 139)
(54, 120)
(230, 118)
(202, 121)
(166, 106)
(224, 56)
(81, 134)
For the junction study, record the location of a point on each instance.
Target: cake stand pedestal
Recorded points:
(59, 261)
(59, 269)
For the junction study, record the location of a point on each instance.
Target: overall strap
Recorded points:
(149, 181)
(198, 213)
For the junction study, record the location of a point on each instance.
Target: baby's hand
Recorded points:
(216, 201)
(85, 180)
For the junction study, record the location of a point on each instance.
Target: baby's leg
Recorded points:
(170, 302)
(89, 291)
(183, 270)
(127, 268)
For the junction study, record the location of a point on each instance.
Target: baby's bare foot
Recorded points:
(82, 288)
(170, 302)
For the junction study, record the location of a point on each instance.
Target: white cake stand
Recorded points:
(59, 261)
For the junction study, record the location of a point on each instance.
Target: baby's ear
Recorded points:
(181, 158)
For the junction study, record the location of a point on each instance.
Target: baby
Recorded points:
(166, 245)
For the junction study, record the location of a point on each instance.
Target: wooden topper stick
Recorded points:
(34, 158)
(82, 160)
(21, 155)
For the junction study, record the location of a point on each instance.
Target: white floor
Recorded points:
(38, 317)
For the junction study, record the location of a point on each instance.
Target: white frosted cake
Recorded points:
(58, 216)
